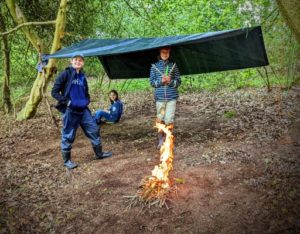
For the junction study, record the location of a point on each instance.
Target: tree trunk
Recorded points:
(29, 31)
(6, 91)
(290, 10)
(41, 81)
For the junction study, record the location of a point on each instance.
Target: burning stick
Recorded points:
(154, 190)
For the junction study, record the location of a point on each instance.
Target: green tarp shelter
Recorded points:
(197, 53)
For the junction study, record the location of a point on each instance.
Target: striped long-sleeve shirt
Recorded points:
(165, 92)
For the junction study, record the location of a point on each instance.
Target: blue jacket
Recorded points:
(116, 110)
(62, 86)
(165, 92)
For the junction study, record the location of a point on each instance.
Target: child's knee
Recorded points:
(170, 118)
(98, 112)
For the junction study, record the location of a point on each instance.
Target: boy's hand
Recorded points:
(166, 79)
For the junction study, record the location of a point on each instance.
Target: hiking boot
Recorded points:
(99, 154)
(70, 165)
(67, 160)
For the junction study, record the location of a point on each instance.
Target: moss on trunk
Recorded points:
(7, 106)
(41, 82)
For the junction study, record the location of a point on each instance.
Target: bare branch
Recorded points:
(27, 24)
(19, 18)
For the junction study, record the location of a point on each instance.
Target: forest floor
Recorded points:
(236, 155)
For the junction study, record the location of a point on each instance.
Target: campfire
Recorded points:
(154, 189)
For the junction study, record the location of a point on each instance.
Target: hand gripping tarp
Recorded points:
(197, 53)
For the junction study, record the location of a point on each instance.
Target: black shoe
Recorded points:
(99, 154)
(70, 165)
(67, 160)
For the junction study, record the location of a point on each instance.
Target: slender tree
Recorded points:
(42, 78)
(19, 18)
(290, 10)
(6, 64)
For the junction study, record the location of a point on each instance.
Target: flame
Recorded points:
(161, 172)
(157, 186)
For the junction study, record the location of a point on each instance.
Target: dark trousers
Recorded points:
(71, 121)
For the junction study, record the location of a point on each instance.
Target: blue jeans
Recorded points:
(101, 113)
(165, 111)
(71, 121)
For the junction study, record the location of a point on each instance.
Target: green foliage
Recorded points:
(122, 86)
(230, 114)
(148, 18)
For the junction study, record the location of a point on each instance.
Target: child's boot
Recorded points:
(161, 135)
(99, 154)
(161, 139)
(67, 160)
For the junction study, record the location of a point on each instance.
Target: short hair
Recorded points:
(165, 48)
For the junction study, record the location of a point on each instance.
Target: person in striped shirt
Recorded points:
(165, 78)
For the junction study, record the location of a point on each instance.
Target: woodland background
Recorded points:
(38, 32)
(237, 133)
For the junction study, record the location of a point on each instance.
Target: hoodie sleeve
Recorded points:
(87, 91)
(59, 87)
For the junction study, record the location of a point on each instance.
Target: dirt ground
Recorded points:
(236, 155)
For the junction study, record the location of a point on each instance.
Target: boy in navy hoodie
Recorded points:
(71, 91)
(115, 110)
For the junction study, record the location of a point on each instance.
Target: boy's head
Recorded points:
(77, 61)
(164, 52)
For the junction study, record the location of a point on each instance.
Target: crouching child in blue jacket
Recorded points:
(115, 110)
(71, 91)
